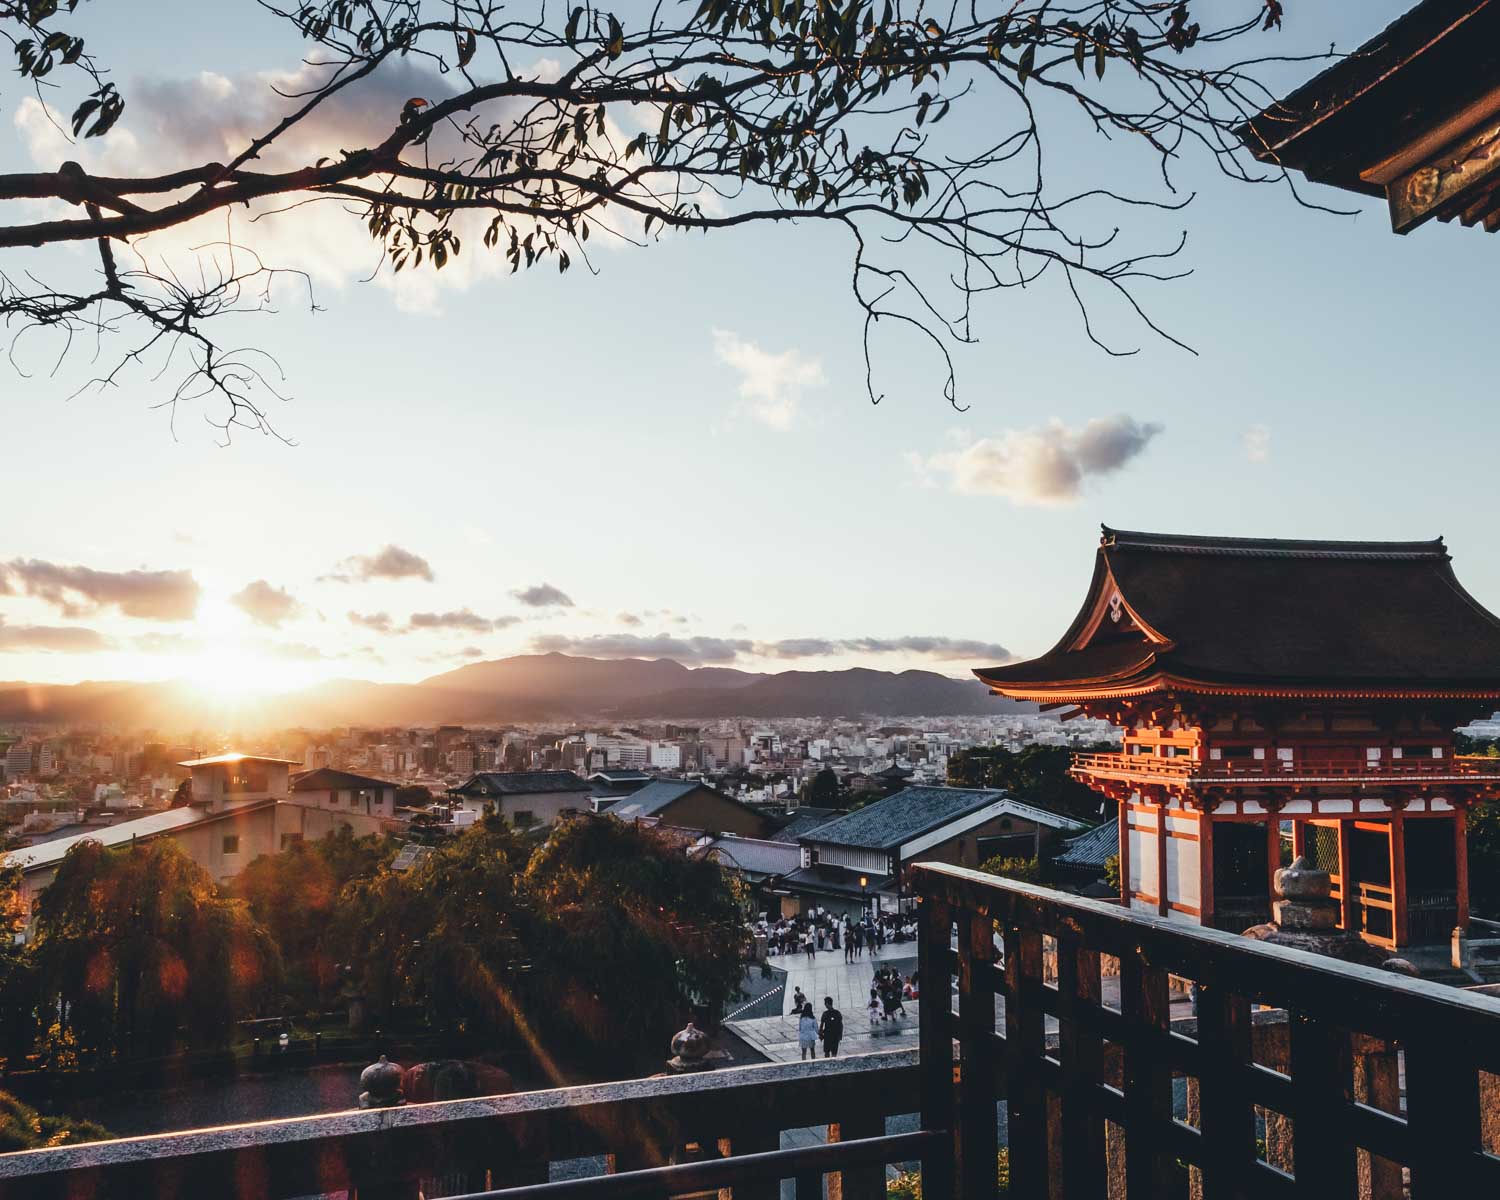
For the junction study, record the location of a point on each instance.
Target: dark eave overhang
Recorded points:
(1413, 115)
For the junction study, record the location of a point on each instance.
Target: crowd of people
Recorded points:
(818, 929)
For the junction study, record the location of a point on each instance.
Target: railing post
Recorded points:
(857, 1183)
(1081, 1137)
(1322, 1077)
(1443, 1116)
(976, 1148)
(935, 1017)
(1025, 1093)
(1226, 1114)
(1147, 1078)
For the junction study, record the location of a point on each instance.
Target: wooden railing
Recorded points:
(663, 1136)
(1095, 1118)
(1300, 1098)
(1185, 770)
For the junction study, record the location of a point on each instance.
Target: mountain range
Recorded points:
(524, 688)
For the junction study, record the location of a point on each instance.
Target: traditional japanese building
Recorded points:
(1412, 116)
(1273, 688)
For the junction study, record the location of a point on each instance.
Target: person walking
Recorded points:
(831, 1028)
(808, 944)
(848, 945)
(807, 1032)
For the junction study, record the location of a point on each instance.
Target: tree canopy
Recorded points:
(135, 945)
(542, 132)
(1036, 773)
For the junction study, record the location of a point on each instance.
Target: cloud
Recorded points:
(470, 652)
(264, 604)
(697, 651)
(1257, 443)
(943, 648)
(543, 595)
(694, 651)
(380, 622)
(1046, 465)
(74, 590)
(50, 639)
(771, 385)
(392, 562)
(463, 619)
(626, 618)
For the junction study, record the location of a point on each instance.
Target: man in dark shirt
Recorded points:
(831, 1028)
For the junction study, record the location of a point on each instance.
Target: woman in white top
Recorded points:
(807, 1032)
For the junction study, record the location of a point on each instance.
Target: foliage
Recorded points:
(1036, 774)
(1112, 871)
(413, 795)
(135, 946)
(295, 896)
(908, 1184)
(822, 790)
(683, 118)
(598, 937)
(1024, 870)
(1484, 860)
(23, 1128)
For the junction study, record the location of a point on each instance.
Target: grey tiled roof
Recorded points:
(910, 813)
(515, 783)
(806, 820)
(756, 857)
(1093, 847)
(654, 797)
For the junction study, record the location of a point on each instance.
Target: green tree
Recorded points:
(136, 948)
(1024, 870)
(1484, 860)
(1036, 774)
(295, 895)
(822, 790)
(23, 1128)
(639, 930)
(18, 981)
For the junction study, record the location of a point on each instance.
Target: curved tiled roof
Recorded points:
(1243, 614)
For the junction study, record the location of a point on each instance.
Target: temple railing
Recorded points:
(1186, 771)
(1292, 1072)
(1090, 1112)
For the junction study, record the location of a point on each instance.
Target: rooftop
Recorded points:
(911, 812)
(48, 854)
(1267, 616)
(522, 783)
(224, 759)
(328, 778)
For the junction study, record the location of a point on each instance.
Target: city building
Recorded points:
(526, 798)
(343, 792)
(692, 805)
(1265, 684)
(861, 857)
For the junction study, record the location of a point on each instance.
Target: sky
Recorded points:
(676, 456)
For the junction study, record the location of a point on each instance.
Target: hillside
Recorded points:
(525, 688)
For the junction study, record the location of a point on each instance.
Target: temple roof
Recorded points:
(1397, 114)
(1266, 617)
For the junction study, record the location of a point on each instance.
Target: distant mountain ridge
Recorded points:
(522, 688)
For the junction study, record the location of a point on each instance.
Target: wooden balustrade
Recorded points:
(1094, 1117)
(1183, 769)
(1293, 1069)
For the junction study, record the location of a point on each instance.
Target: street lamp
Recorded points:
(864, 899)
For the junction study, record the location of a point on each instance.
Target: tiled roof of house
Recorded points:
(804, 822)
(327, 779)
(909, 813)
(1091, 848)
(521, 783)
(655, 796)
(49, 854)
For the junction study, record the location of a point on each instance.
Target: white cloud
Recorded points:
(1045, 465)
(1257, 442)
(771, 385)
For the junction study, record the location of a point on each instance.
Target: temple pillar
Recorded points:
(1205, 867)
(1273, 852)
(1124, 830)
(1399, 926)
(1461, 865)
(1163, 907)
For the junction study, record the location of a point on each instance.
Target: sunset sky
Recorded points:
(677, 458)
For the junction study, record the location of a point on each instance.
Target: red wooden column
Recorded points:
(1461, 864)
(1299, 838)
(1162, 905)
(1205, 866)
(1124, 811)
(1398, 879)
(1346, 876)
(1273, 853)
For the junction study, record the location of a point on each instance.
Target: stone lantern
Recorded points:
(380, 1085)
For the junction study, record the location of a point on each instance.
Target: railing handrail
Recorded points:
(803, 1093)
(1377, 1002)
(1184, 767)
